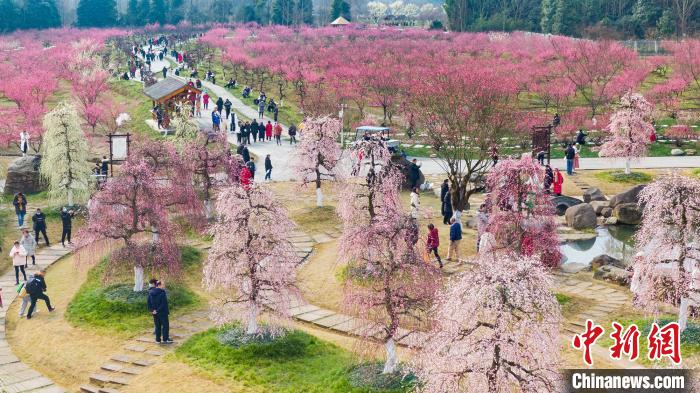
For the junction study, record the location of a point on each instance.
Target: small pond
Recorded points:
(615, 240)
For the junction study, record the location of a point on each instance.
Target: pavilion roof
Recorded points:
(167, 88)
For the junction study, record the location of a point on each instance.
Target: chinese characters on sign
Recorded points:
(663, 341)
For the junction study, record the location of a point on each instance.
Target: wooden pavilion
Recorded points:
(171, 94)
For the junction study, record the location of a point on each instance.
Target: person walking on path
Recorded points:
(447, 211)
(268, 131)
(24, 295)
(104, 166)
(27, 241)
(220, 105)
(261, 131)
(251, 167)
(215, 120)
(455, 238)
(165, 72)
(227, 106)
(36, 289)
(548, 178)
(414, 173)
(39, 220)
(415, 203)
(292, 134)
(158, 306)
(253, 128)
(205, 99)
(20, 203)
(246, 177)
(558, 182)
(19, 259)
(261, 108)
(576, 158)
(570, 153)
(67, 220)
(278, 134)
(245, 153)
(24, 142)
(198, 106)
(268, 168)
(433, 242)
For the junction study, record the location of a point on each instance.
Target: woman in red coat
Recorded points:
(433, 242)
(558, 181)
(268, 131)
(245, 177)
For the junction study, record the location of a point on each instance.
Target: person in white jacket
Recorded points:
(24, 142)
(18, 255)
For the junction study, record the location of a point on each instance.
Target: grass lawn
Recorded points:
(298, 362)
(117, 308)
(626, 178)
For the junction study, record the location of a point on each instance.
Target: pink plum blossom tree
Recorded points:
(521, 215)
(318, 153)
(251, 261)
(667, 268)
(496, 330)
(629, 129)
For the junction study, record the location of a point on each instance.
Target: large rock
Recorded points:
(606, 212)
(613, 274)
(629, 196)
(628, 213)
(690, 152)
(563, 202)
(607, 260)
(403, 165)
(23, 176)
(677, 152)
(581, 216)
(598, 206)
(593, 194)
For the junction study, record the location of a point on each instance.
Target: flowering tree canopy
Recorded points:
(521, 215)
(317, 156)
(251, 260)
(387, 281)
(630, 128)
(667, 268)
(496, 330)
(64, 162)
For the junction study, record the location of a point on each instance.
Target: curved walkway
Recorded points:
(15, 376)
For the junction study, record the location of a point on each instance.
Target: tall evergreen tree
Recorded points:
(40, 15)
(548, 8)
(306, 9)
(563, 21)
(143, 12)
(458, 13)
(283, 12)
(132, 12)
(158, 12)
(96, 13)
(10, 16)
(340, 8)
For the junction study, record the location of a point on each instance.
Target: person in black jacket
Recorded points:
(220, 105)
(253, 130)
(227, 106)
(261, 131)
(447, 209)
(570, 153)
(268, 168)
(39, 220)
(20, 203)
(158, 306)
(245, 154)
(67, 220)
(36, 290)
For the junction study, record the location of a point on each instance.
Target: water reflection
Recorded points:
(616, 241)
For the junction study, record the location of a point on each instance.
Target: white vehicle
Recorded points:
(384, 133)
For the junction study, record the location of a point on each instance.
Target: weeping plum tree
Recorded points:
(151, 187)
(521, 216)
(318, 153)
(630, 128)
(496, 330)
(667, 268)
(252, 263)
(64, 161)
(387, 280)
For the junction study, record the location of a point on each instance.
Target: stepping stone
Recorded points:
(49, 389)
(108, 390)
(29, 385)
(153, 352)
(111, 367)
(332, 320)
(146, 339)
(135, 348)
(132, 370)
(143, 362)
(302, 310)
(103, 378)
(314, 315)
(121, 358)
(305, 249)
(89, 389)
(348, 326)
(322, 238)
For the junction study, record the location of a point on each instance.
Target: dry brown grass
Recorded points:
(48, 343)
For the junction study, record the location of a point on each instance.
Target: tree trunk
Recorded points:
(628, 168)
(683, 313)
(319, 197)
(391, 360)
(252, 319)
(70, 197)
(156, 236)
(138, 278)
(208, 210)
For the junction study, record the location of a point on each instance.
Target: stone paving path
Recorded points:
(15, 376)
